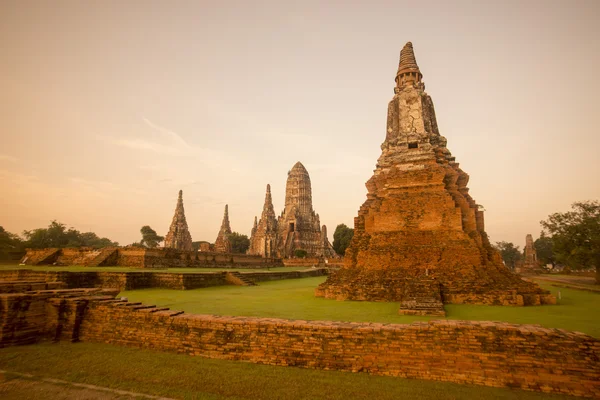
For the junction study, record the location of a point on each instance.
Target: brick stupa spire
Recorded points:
(419, 237)
(299, 227)
(530, 263)
(179, 236)
(222, 244)
(264, 234)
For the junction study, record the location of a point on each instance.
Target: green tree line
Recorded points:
(570, 239)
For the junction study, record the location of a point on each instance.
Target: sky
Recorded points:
(108, 108)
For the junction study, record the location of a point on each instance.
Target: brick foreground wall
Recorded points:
(26, 318)
(485, 353)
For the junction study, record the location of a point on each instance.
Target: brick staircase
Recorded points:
(47, 256)
(137, 306)
(235, 278)
(423, 298)
(103, 255)
(422, 306)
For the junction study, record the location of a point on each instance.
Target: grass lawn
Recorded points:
(181, 376)
(78, 268)
(294, 299)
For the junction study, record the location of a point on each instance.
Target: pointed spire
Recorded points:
(255, 223)
(268, 210)
(179, 236)
(408, 63)
(222, 244)
(225, 226)
(268, 198)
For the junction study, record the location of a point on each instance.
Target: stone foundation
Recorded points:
(352, 284)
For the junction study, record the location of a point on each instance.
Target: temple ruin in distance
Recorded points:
(297, 228)
(179, 237)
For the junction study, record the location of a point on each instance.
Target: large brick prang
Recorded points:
(420, 234)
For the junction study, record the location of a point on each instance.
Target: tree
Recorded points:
(239, 242)
(543, 249)
(341, 238)
(9, 242)
(53, 236)
(576, 236)
(510, 253)
(57, 235)
(149, 237)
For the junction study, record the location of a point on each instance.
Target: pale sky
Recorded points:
(108, 108)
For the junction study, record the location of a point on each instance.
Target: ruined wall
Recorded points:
(262, 276)
(136, 257)
(484, 353)
(48, 314)
(16, 280)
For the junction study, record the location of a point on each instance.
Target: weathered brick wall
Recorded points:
(302, 262)
(24, 286)
(47, 314)
(146, 279)
(279, 275)
(120, 280)
(485, 353)
(145, 258)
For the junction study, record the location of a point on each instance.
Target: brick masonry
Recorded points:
(137, 257)
(485, 353)
(139, 280)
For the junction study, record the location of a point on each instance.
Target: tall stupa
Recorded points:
(299, 227)
(179, 236)
(263, 240)
(419, 237)
(222, 243)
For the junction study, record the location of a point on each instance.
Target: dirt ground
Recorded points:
(19, 388)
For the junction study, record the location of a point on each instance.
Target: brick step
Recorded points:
(422, 306)
(153, 310)
(128, 304)
(143, 307)
(238, 277)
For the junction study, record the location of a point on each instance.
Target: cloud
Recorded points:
(176, 138)
(171, 144)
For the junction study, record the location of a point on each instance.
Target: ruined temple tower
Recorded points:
(531, 261)
(179, 236)
(419, 237)
(263, 240)
(298, 226)
(222, 244)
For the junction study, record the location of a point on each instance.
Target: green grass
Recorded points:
(187, 377)
(294, 299)
(79, 268)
